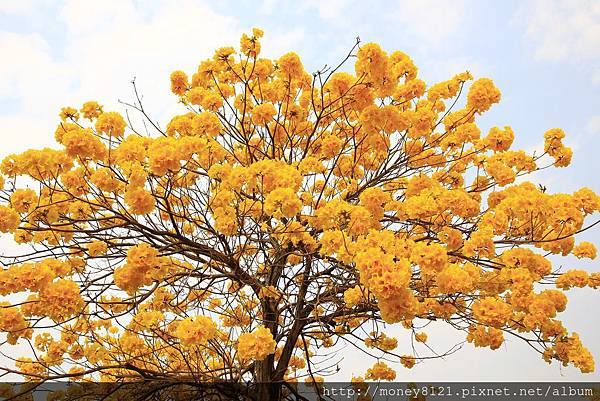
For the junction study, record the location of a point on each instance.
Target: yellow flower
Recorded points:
(13, 322)
(572, 278)
(372, 66)
(256, 345)
(499, 140)
(353, 296)
(163, 156)
(82, 143)
(381, 341)
(380, 371)
(61, 300)
(263, 113)
(91, 110)
(105, 179)
(492, 311)
(9, 219)
(270, 292)
(290, 66)
(407, 361)
(207, 124)
(139, 200)
(250, 45)
(482, 95)
(455, 278)
(196, 330)
(483, 336)
(421, 337)
(23, 200)
(97, 248)
(282, 202)
(179, 82)
(69, 113)
(142, 263)
(585, 250)
(111, 123)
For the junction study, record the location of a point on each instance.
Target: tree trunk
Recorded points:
(267, 389)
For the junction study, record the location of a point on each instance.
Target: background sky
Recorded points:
(543, 55)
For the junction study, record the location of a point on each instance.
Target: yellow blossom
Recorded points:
(196, 330)
(256, 345)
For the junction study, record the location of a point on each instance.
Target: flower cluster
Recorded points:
(196, 330)
(256, 345)
(380, 371)
(142, 267)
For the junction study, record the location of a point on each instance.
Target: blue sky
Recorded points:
(543, 55)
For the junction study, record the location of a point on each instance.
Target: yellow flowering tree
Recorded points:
(281, 214)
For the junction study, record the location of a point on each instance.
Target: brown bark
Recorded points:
(267, 388)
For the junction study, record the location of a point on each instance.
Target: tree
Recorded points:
(282, 214)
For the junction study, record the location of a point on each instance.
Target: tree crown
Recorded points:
(282, 213)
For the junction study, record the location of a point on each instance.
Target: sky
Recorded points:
(543, 55)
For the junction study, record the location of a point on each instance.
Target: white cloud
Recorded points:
(98, 60)
(562, 30)
(331, 10)
(26, 61)
(20, 7)
(34, 83)
(432, 21)
(176, 36)
(87, 17)
(108, 44)
(441, 69)
(593, 126)
(596, 76)
(275, 44)
(267, 7)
